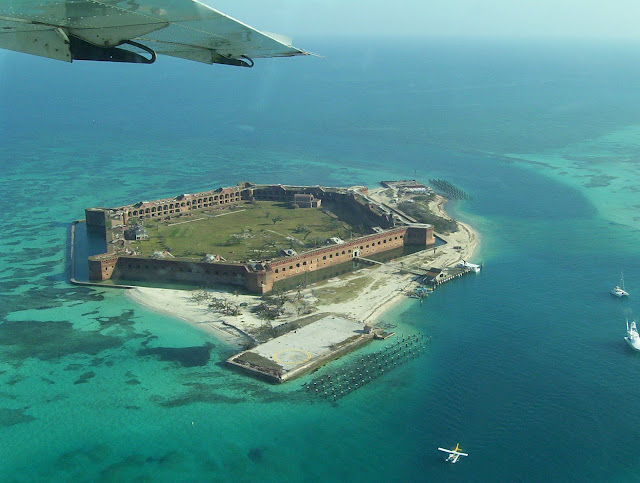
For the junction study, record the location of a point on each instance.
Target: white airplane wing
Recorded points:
(134, 31)
(453, 452)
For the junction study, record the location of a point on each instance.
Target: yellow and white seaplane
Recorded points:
(454, 454)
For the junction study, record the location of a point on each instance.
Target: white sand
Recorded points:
(382, 287)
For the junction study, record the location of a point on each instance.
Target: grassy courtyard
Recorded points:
(247, 231)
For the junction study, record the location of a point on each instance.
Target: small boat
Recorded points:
(619, 291)
(632, 338)
(469, 266)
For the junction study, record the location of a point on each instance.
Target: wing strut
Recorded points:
(83, 50)
(242, 61)
(249, 59)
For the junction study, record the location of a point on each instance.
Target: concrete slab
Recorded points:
(299, 351)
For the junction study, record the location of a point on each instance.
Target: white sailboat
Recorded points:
(632, 338)
(619, 291)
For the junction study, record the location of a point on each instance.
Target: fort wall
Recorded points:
(336, 254)
(150, 269)
(166, 207)
(170, 207)
(101, 267)
(96, 217)
(255, 278)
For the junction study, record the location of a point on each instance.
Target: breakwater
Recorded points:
(337, 384)
(451, 191)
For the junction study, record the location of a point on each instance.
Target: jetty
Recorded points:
(451, 191)
(337, 384)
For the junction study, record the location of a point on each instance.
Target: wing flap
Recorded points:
(228, 43)
(41, 40)
(207, 28)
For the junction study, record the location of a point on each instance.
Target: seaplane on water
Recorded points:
(454, 454)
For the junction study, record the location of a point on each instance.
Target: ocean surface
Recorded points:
(527, 368)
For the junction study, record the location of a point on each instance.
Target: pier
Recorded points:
(438, 276)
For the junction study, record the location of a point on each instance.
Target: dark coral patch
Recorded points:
(84, 378)
(43, 297)
(125, 319)
(9, 417)
(81, 458)
(52, 340)
(198, 393)
(97, 361)
(256, 454)
(16, 379)
(185, 356)
(73, 367)
(599, 181)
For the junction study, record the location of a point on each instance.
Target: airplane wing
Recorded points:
(453, 452)
(134, 31)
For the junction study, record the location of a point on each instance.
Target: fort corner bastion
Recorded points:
(377, 228)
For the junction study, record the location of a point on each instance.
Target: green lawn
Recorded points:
(245, 231)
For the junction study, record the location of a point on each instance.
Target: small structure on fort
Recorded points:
(138, 232)
(260, 235)
(306, 200)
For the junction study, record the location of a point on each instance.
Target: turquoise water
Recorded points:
(527, 368)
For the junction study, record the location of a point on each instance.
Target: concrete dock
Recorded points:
(298, 352)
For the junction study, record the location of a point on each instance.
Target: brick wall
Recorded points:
(256, 280)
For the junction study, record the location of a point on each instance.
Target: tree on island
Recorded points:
(276, 219)
(200, 296)
(280, 297)
(304, 229)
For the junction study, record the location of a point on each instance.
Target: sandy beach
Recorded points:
(363, 295)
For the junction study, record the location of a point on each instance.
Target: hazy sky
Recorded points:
(519, 18)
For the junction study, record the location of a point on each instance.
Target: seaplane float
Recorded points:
(454, 454)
